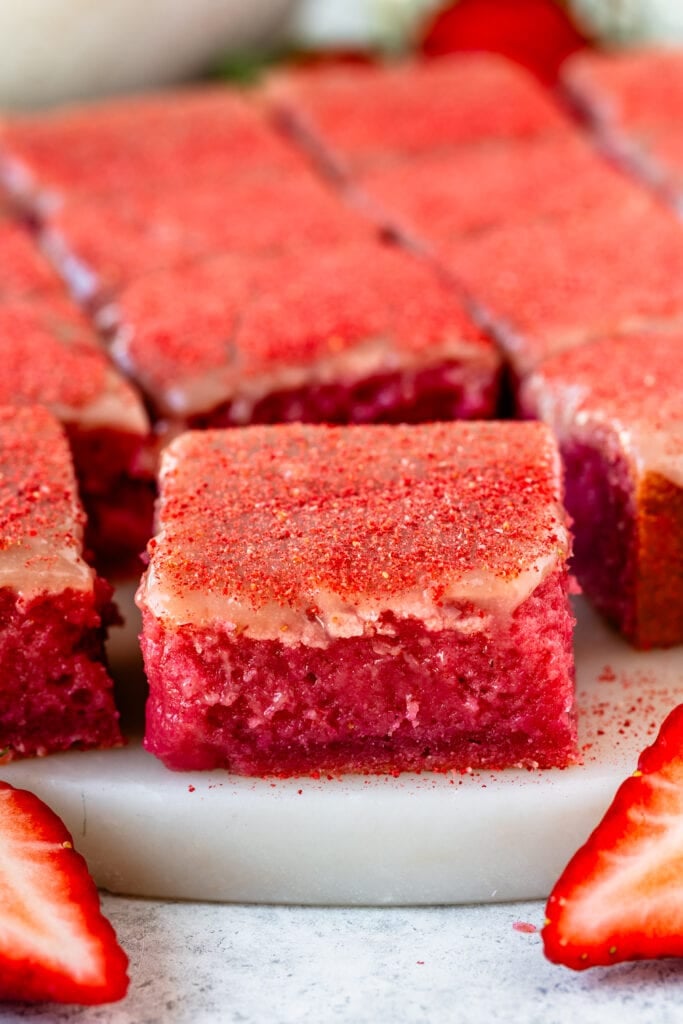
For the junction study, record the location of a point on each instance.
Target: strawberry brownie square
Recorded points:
(355, 333)
(615, 407)
(633, 101)
(441, 197)
(360, 599)
(56, 691)
(357, 117)
(50, 356)
(103, 243)
(186, 136)
(549, 285)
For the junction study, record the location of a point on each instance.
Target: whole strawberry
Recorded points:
(621, 895)
(55, 944)
(539, 34)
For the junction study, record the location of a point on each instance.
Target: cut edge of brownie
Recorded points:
(55, 610)
(368, 704)
(273, 688)
(623, 482)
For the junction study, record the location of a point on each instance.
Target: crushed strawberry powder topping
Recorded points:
(637, 89)
(23, 270)
(370, 114)
(179, 135)
(644, 383)
(277, 514)
(49, 354)
(240, 317)
(37, 485)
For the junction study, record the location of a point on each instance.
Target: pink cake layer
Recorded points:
(183, 136)
(415, 701)
(634, 103)
(621, 436)
(125, 235)
(51, 356)
(552, 285)
(356, 333)
(452, 390)
(359, 599)
(440, 196)
(56, 691)
(359, 116)
(114, 469)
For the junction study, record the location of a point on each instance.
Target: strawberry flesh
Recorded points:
(55, 944)
(621, 895)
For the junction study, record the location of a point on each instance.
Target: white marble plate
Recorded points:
(413, 840)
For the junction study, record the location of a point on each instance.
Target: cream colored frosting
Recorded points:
(116, 407)
(491, 596)
(44, 565)
(651, 447)
(217, 385)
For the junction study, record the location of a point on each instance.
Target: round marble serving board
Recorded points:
(416, 839)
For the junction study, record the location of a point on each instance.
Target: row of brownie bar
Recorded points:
(355, 598)
(263, 298)
(52, 355)
(358, 349)
(576, 270)
(266, 298)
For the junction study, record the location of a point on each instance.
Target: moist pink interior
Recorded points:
(118, 495)
(600, 501)
(412, 700)
(56, 692)
(449, 391)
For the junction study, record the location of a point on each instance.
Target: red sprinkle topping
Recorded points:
(235, 318)
(638, 89)
(644, 383)
(569, 279)
(23, 270)
(141, 229)
(49, 354)
(181, 136)
(372, 114)
(275, 514)
(439, 196)
(37, 485)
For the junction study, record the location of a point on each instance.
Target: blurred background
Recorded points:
(54, 50)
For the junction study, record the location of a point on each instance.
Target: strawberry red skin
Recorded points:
(28, 980)
(535, 33)
(654, 791)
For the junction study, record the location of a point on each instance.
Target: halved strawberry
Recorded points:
(55, 945)
(621, 895)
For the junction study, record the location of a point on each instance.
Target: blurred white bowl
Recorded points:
(54, 50)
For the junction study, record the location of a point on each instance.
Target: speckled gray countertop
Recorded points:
(219, 964)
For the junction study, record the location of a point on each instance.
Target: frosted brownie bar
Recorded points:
(56, 692)
(615, 407)
(355, 333)
(359, 599)
(185, 137)
(440, 198)
(357, 117)
(553, 285)
(50, 356)
(634, 103)
(103, 243)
